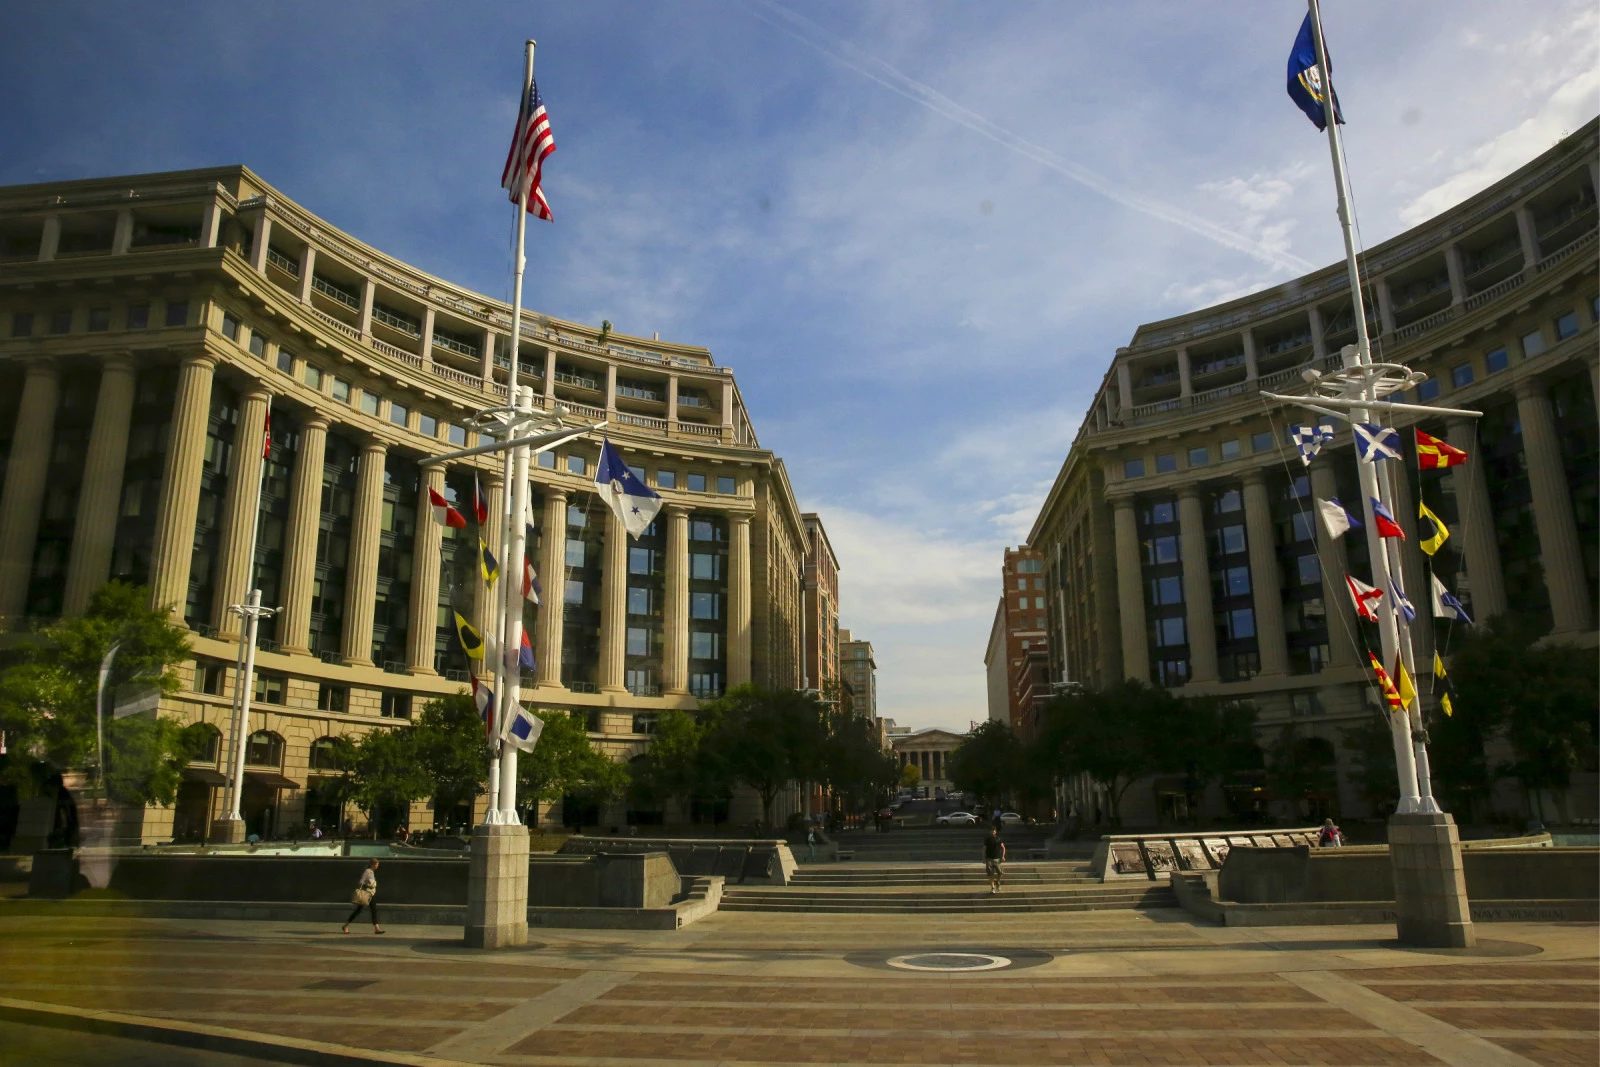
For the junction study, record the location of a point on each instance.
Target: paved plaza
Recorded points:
(1120, 987)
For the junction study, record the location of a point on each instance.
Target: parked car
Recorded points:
(958, 818)
(1009, 817)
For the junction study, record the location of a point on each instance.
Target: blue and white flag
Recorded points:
(523, 730)
(1402, 603)
(1376, 442)
(1306, 82)
(1446, 606)
(634, 502)
(1336, 518)
(483, 697)
(1309, 440)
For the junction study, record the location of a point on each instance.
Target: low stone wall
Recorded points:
(738, 860)
(1153, 856)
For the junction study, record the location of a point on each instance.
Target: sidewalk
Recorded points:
(1105, 988)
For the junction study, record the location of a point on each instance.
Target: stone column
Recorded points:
(1335, 564)
(738, 599)
(300, 539)
(50, 238)
(1130, 592)
(483, 597)
(1559, 550)
(308, 265)
(235, 565)
(1319, 343)
(1412, 578)
(613, 604)
(1125, 387)
(672, 400)
(1266, 584)
(1385, 305)
(94, 530)
(427, 334)
(173, 548)
(553, 572)
(27, 471)
(369, 290)
(1528, 234)
(1457, 272)
(611, 390)
(550, 391)
(261, 236)
(1185, 375)
(1252, 368)
(1475, 514)
(422, 629)
(122, 234)
(675, 613)
(361, 573)
(210, 224)
(486, 366)
(1197, 586)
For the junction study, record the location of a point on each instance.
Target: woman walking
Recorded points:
(365, 896)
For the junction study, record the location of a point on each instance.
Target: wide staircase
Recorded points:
(940, 869)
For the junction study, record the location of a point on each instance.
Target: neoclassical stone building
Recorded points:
(148, 324)
(1179, 538)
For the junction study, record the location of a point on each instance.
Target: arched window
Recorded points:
(264, 749)
(325, 755)
(208, 750)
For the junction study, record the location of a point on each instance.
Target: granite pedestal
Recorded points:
(1430, 885)
(226, 832)
(497, 887)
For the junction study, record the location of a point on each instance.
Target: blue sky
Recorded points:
(918, 232)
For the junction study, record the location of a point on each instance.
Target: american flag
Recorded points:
(530, 144)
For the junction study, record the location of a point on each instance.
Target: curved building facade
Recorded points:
(1179, 539)
(147, 324)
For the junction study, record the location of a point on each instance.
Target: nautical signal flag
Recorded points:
(1402, 603)
(1383, 519)
(483, 697)
(480, 503)
(1309, 440)
(1402, 683)
(488, 566)
(471, 640)
(1366, 597)
(266, 437)
(1431, 530)
(634, 502)
(1376, 442)
(525, 658)
(1391, 695)
(1434, 454)
(443, 513)
(1336, 518)
(1446, 606)
(531, 589)
(1307, 86)
(523, 730)
(1441, 681)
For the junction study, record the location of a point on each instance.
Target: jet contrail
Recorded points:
(808, 32)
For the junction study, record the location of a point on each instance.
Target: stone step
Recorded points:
(982, 902)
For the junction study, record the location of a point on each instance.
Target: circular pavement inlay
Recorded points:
(949, 961)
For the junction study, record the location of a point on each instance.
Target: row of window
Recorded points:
(726, 485)
(1199, 455)
(271, 686)
(1498, 359)
(98, 320)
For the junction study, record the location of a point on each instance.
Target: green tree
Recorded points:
(386, 774)
(989, 762)
(564, 763)
(766, 738)
(449, 741)
(1300, 768)
(47, 699)
(910, 776)
(674, 767)
(1370, 746)
(854, 766)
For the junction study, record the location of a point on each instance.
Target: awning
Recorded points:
(204, 774)
(271, 779)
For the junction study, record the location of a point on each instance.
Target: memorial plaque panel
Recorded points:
(1160, 855)
(1263, 841)
(1191, 857)
(1241, 842)
(1127, 859)
(1217, 849)
(1284, 840)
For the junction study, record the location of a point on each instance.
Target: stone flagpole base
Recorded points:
(1430, 885)
(226, 832)
(497, 887)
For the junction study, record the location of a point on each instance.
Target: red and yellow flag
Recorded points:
(1434, 454)
(1391, 695)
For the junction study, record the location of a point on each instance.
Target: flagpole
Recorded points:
(1388, 626)
(514, 536)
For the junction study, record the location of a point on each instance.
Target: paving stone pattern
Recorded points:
(1121, 988)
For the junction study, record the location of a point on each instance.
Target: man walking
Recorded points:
(994, 854)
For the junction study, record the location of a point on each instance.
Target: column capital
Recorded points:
(1254, 476)
(739, 518)
(120, 360)
(373, 443)
(256, 391)
(554, 492)
(316, 421)
(675, 508)
(1119, 500)
(42, 365)
(1188, 491)
(200, 359)
(1528, 388)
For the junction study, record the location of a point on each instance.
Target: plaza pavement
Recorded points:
(1109, 988)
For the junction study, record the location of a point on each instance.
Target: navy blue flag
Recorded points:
(1306, 81)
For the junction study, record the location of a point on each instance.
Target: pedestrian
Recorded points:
(995, 822)
(811, 843)
(994, 854)
(316, 833)
(365, 896)
(1330, 836)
